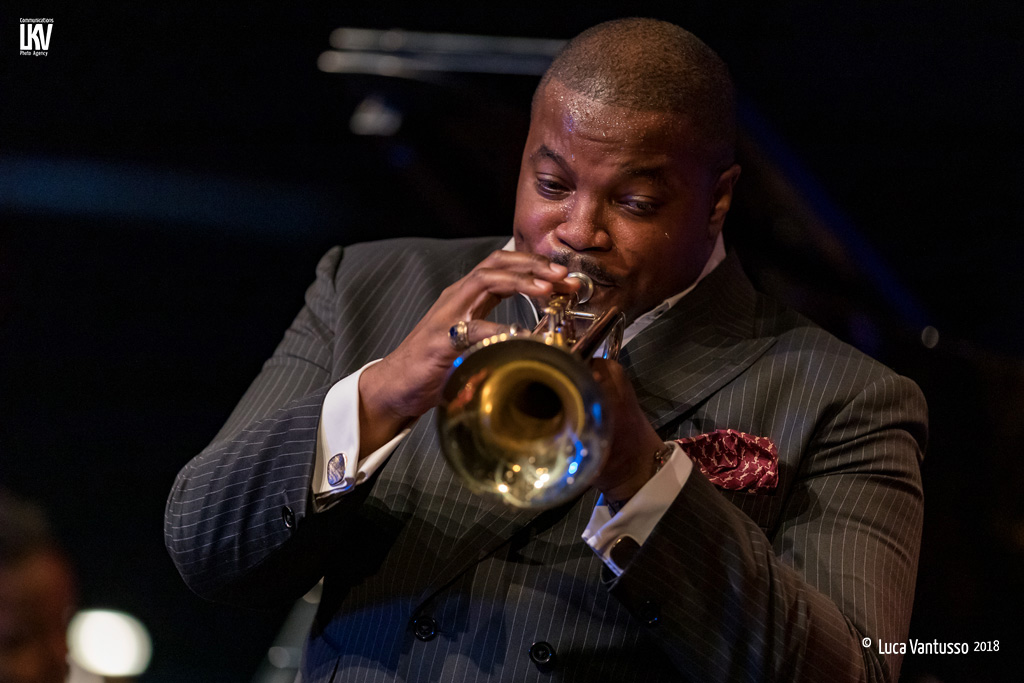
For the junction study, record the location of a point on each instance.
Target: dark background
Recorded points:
(170, 175)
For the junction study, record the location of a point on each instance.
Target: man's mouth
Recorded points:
(586, 265)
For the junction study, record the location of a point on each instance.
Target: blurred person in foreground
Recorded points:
(760, 512)
(37, 597)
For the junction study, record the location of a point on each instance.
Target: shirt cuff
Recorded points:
(641, 513)
(338, 468)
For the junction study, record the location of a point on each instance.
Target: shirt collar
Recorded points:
(641, 323)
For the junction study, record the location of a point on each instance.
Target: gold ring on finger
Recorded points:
(458, 335)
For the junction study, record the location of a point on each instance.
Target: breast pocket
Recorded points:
(761, 506)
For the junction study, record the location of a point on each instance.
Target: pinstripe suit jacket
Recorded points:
(730, 586)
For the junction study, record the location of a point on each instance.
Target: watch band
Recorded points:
(661, 456)
(622, 552)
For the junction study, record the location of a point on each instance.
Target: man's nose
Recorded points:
(585, 226)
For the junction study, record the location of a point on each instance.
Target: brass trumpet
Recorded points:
(521, 417)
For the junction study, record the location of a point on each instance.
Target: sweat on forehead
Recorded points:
(560, 109)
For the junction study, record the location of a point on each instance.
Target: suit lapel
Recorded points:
(495, 525)
(706, 340)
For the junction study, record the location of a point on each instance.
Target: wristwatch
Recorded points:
(661, 456)
(622, 552)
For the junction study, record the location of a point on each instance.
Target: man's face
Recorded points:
(35, 602)
(619, 194)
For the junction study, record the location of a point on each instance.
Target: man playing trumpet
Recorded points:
(760, 509)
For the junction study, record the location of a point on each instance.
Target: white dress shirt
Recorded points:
(338, 469)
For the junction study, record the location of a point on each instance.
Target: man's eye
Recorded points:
(550, 188)
(641, 207)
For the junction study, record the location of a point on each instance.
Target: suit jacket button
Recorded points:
(288, 517)
(424, 628)
(542, 654)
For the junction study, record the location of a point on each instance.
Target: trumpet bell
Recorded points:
(521, 421)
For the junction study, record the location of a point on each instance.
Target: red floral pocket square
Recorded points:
(735, 460)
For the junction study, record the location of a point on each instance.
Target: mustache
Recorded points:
(587, 265)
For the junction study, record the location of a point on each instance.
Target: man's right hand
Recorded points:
(409, 380)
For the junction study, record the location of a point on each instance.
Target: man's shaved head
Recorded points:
(652, 65)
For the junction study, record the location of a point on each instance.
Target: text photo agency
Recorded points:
(34, 37)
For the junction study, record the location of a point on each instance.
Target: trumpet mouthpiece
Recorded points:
(586, 289)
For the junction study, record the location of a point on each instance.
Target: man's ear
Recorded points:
(721, 199)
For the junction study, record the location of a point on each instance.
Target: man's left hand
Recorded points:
(630, 462)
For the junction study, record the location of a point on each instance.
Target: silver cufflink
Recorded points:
(336, 467)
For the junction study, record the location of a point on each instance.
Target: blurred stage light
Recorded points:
(418, 55)
(930, 337)
(374, 116)
(109, 643)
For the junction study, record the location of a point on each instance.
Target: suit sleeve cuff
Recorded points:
(641, 513)
(338, 468)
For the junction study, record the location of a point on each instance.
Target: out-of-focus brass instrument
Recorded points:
(522, 417)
